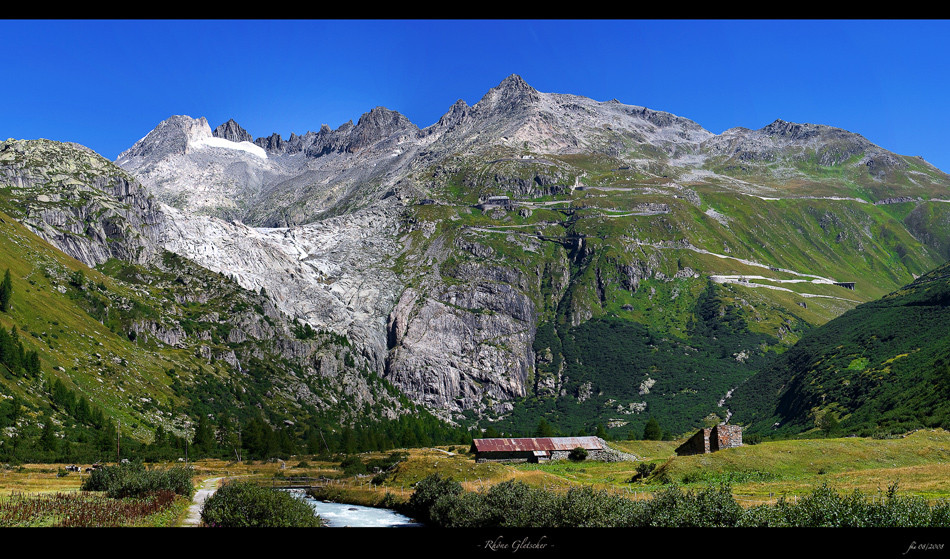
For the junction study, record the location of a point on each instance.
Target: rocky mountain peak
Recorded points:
(171, 137)
(515, 83)
(273, 143)
(512, 93)
(376, 125)
(791, 130)
(383, 119)
(232, 131)
(452, 118)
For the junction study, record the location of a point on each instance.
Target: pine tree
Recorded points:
(204, 436)
(544, 429)
(6, 291)
(652, 431)
(48, 438)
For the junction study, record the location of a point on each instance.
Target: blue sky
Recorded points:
(105, 84)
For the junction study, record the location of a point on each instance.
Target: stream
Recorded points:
(340, 515)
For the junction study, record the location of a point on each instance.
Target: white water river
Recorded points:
(339, 515)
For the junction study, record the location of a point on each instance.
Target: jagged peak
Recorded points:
(232, 131)
(380, 116)
(512, 90)
(516, 82)
(453, 116)
(172, 135)
(793, 129)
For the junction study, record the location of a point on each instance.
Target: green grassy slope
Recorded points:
(881, 367)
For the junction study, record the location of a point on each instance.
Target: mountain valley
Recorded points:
(534, 256)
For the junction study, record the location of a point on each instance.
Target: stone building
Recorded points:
(542, 449)
(711, 440)
(493, 202)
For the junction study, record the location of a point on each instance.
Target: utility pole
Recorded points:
(324, 441)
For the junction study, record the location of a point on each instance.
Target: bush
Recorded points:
(244, 504)
(427, 493)
(589, 508)
(352, 465)
(133, 480)
(644, 470)
(441, 502)
(578, 454)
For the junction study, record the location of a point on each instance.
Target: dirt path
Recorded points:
(208, 487)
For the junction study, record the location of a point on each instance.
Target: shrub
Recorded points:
(389, 501)
(133, 480)
(441, 502)
(427, 492)
(587, 508)
(644, 470)
(244, 504)
(352, 465)
(578, 454)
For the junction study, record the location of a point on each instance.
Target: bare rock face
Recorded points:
(331, 274)
(463, 347)
(233, 132)
(80, 202)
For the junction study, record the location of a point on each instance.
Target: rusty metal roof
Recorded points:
(543, 443)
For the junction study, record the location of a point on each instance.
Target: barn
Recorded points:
(540, 449)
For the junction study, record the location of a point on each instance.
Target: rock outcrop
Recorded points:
(80, 202)
(232, 132)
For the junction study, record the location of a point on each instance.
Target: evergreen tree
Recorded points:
(544, 429)
(48, 437)
(491, 433)
(204, 436)
(313, 442)
(32, 364)
(160, 439)
(6, 291)
(106, 440)
(652, 431)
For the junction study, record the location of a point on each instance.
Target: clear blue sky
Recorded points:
(105, 84)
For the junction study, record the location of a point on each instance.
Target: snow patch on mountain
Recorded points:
(212, 142)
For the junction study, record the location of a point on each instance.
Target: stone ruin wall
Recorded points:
(726, 436)
(711, 440)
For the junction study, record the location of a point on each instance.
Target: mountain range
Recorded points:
(532, 256)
